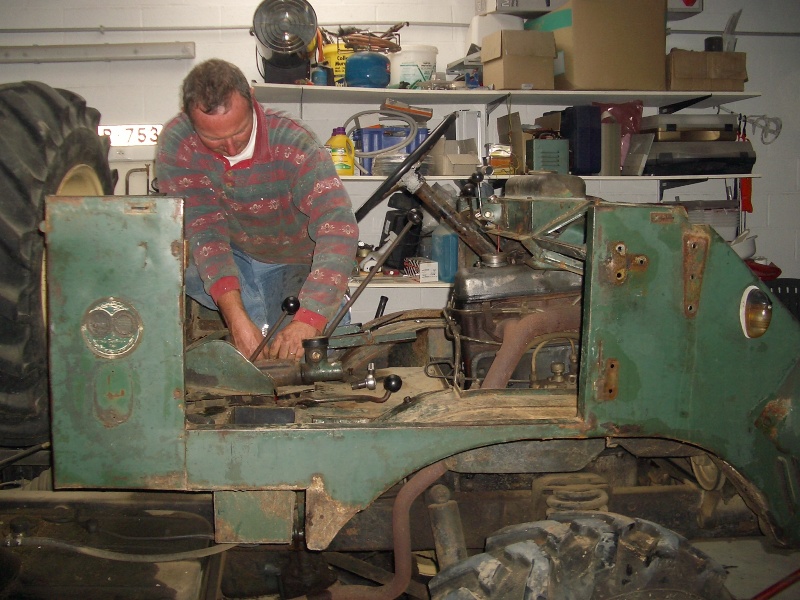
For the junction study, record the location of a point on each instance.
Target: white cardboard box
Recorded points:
(422, 269)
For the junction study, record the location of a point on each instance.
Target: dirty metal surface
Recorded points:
(129, 523)
(254, 517)
(217, 367)
(685, 374)
(695, 253)
(115, 273)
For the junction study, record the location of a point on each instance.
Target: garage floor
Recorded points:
(753, 565)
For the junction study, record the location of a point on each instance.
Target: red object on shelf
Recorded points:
(746, 190)
(764, 272)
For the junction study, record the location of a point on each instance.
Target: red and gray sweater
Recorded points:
(286, 205)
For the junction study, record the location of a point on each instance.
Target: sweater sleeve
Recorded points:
(318, 192)
(185, 168)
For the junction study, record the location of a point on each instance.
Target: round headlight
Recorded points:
(755, 312)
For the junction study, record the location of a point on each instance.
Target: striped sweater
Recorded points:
(286, 205)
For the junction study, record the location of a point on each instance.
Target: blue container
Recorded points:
(444, 250)
(370, 139)
(367, 69)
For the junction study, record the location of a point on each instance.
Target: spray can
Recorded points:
(342, 152)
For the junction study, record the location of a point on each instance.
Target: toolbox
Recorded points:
(690, 128)
(700, 158)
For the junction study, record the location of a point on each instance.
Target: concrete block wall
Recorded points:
(146, 92)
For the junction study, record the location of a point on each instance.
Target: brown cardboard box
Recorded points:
(509, 131)
(608, 44)
(550, 120)
(514, 60)
(455, 157)
(688, 70)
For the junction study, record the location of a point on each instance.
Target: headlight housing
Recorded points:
(755, 312)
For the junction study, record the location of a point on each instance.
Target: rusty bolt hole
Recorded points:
(620, 248)
(620, 274)
(690, 308)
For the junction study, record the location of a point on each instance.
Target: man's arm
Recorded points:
(245, 334)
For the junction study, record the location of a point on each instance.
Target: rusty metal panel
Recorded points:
(114, 280)
(254, 517)
(664, 353)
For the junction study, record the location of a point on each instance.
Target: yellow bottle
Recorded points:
(342, 152)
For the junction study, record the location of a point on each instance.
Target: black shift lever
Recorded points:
(414, 217)
(289, 306)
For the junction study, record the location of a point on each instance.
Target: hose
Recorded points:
(401, 531)
(778, 587)
(544, 340)
(118, 556)
(22, 454)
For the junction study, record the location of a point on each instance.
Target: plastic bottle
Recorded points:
(444, 250)
(342, 152)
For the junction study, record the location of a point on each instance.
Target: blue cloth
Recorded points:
(263, 288)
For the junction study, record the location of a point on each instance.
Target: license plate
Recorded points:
(131, 135)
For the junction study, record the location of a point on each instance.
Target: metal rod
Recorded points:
(267, 337)
(372, 272)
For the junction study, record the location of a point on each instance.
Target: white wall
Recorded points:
(146, 92)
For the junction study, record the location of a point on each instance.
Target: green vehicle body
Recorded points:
(663, 360)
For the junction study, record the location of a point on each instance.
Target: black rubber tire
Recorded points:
(583, 556)
(48, 146)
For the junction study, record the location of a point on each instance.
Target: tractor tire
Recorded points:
(48, 146)
(583, 556)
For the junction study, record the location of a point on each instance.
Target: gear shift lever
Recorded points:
(289, 306)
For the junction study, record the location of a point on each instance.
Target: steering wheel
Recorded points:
(412, 159)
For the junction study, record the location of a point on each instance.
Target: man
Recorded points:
(266, 214)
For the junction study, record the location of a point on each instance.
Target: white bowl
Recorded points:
(745, 248)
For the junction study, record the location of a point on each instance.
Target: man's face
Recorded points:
(226, 130)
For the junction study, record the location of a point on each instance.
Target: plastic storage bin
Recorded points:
(381, 137)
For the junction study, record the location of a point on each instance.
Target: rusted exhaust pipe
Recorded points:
(518, 333)
(401, 531)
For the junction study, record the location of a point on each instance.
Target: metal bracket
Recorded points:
(695, 253)
(490, 106)
(669, 109)
(668, 184)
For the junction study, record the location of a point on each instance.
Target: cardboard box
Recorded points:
(688, 70)
(520, 8)
(550, 120)
(608, 44)
(509, 131)
(421, 269)
(455, 157)
(515, 60)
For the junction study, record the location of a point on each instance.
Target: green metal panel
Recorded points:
(341, 468)
(115, 276)
(664, 353)
(254, 517)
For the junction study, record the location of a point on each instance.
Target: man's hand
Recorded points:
(245, 335)
(288, 342)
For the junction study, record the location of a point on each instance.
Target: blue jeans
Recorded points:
(263, 288)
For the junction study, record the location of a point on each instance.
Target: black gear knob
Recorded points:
(414, 216)
(290, 305)
(392, 383)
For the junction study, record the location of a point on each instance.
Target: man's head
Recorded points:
(217, 98)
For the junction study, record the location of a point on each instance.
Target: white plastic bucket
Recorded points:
(412, 64)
